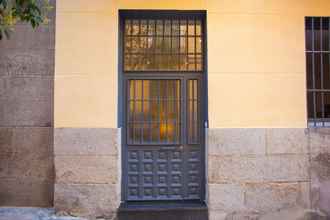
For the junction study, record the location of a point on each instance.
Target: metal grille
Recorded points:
(154, 111)
(193, 112)
(163, 45)
(318, 70)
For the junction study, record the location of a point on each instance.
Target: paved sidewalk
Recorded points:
(31, 214)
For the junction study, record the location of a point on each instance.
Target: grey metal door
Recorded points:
(163, 134)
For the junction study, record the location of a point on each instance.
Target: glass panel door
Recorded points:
(163, 134)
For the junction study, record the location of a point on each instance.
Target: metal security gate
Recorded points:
(163, 115)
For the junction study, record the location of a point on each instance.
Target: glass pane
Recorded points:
(183, 27)
(175, 45)
(135, 41)
(167, 45)
(135, 28)
(191, 45)
(154, 111)
(175, 28)
(325, 34)
(310, 105)
(167, 27)
(326, 70)
(127, 61)
(183, 45)
(191, 62)
(135, 62)
(319, 107)
(183, 62)
(128, 45)
(309, 63)
(143, 44)
(159, 44)
(199, 63)
(152, 26)
(128, 29)
(174, 62)
(155, 45)
(144, 27)
(317, 70)
(162, 62)
(191, 27)
(193, 111)
(317, 34)
(198, 27)
(327, 105)
(309, 33)
(160, 27)
(198, 45)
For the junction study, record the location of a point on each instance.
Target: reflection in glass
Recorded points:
(154, 111)
(163, 45)
(191, 27)
(193, 112)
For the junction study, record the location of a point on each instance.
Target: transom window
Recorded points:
(163, 44)
(318, 71)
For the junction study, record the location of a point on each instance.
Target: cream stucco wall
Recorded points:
(256, 60)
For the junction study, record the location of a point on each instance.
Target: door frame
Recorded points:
(122, 78)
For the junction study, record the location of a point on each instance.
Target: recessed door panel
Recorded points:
(163, 136)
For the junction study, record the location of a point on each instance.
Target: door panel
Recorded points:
(162, 63)
(164, 154)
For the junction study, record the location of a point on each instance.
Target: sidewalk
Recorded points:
(31, 214)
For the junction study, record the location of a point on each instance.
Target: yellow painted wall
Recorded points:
(256, 60)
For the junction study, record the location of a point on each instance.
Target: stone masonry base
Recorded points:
(252, 173)
(257, 172)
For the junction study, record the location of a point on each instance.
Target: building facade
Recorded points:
(217, 102)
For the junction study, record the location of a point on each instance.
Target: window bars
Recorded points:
(169, 44)
(318, 70)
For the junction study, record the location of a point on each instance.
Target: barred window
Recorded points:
(318, 71)
(163, 44)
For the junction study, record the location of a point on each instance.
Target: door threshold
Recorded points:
(162, 205)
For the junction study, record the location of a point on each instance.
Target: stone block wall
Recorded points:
(252, 172)
(88, 171)
(26, 116)
(320, 169)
